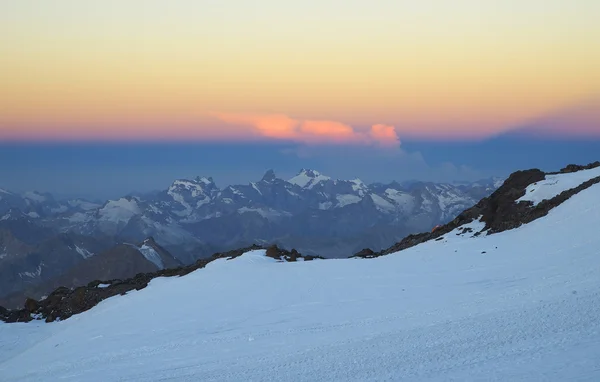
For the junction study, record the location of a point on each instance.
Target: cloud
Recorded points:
(385, 134)
(314, 132)
(277, 126)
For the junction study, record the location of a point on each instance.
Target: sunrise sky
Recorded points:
(374, 73)
(138, 70)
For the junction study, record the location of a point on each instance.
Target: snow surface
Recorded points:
(152, 256)
(521, 305)
(266, 213)
(83, 252)
(79, 217)
(381, 204)
(359, 186)
(399, 197)
(553, 185)
(305, 180)
(34, 274)
(34, 196)
(59, 209)
(83, 204)
(256, 188)
(346, 199)
(119, 210)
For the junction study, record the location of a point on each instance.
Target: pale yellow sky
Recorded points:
(461, 68)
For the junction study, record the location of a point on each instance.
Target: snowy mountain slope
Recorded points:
(517, 305)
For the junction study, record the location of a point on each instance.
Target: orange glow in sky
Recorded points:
(367, 72)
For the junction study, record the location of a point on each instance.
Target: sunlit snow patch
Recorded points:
(553, 185)
(255, 257)
(152, 256)
(84, 252)
(308, 179)
(119, 210)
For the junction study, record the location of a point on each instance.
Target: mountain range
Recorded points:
(508, 287)
(42, 239)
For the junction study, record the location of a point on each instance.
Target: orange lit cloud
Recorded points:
(278, 126)
(386, 134)
(283, 127)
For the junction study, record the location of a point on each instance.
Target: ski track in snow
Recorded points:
(526, 309)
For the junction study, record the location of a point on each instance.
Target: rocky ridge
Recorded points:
(500, 211)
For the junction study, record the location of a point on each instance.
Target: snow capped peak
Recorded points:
(359, 186)
(2, 191)
(204, 180)
(198, 184)
(308, 178)
(358, 183)
(269, 176)
(199, 187)
(120, 210)
(310, 173)
(192, 193)
(35, 196)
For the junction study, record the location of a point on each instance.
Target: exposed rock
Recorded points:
(366, 253)
(574, 168)
(31, 305)
(287, 256)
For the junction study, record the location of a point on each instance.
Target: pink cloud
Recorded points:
(328, 132)
(283, 127)
(385, 134)
(278, 126)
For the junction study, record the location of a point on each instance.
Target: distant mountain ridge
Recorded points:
(42, 239)
(193, 217)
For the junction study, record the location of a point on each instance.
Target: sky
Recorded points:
(339, 85)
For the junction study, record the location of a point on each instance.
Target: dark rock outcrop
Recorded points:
(366, 253)
(64, 302)
(288, 256)
(574, 168)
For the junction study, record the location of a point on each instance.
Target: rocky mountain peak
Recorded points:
(269, 176)
(204, 180)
